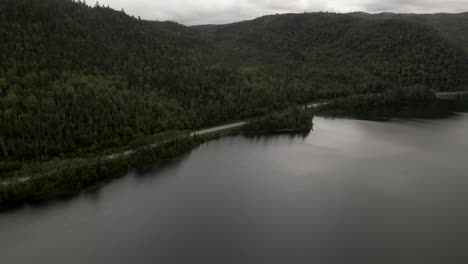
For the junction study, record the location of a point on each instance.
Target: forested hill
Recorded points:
(61, 36)
(344, 52)
(454, 26)
(400, 52)
(76, 79)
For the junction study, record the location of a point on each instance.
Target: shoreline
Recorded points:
(75, 175)
(115, 167)
(201, 132)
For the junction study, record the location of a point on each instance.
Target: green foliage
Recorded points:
(454, 26)
(8, 167)
(76, 80)
(341, 50)
(376, 106)
(72, 175)
(293, 119)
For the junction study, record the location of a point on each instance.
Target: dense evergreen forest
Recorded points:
(293, 119)
(453, 26)
(76, 79)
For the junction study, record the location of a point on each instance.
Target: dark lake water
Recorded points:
(349, 192)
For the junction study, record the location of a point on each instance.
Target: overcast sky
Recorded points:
(192, 12)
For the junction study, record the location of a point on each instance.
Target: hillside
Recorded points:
(76, 79)
(355, 52)
(453, 26)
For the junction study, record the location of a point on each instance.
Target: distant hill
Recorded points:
(76, 79)
(343, 50)
(454, 26)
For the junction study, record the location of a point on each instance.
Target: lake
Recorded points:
(351, 191)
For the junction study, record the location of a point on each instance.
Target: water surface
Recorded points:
(349, 192)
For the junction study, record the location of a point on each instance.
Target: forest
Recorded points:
(293, 119)
(66, 176)
(452, 26)
(77, 80)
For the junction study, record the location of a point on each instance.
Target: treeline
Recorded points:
(76, 80)
(404, 102)
(72, 175)
(293, 119)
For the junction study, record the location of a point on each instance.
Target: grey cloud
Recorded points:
(193, 12)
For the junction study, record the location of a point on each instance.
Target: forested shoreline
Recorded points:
(293, 119)
(68, 176)
(78, 81)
